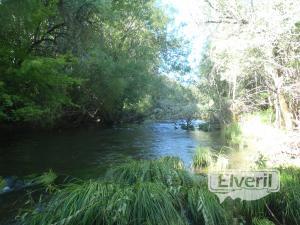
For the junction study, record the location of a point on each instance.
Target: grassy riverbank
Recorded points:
(162, 192)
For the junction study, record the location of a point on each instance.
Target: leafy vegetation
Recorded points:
(233, 135)
(72, 61)
(249, 66)
(168, 171)
(204, 208)
(146, 192)
(281, 207)
(203, 158)
(46, 178)
(174, 101)
(152, 192)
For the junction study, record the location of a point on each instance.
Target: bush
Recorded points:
(46, 178)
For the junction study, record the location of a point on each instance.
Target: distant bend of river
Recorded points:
(89, 152)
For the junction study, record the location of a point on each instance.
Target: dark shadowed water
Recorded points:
(89, 152)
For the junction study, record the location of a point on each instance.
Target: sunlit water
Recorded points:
(89, 152)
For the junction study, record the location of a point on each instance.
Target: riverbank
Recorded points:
(110, 148)
(157, 192)
(162, 192)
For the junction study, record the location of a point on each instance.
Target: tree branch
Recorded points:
(44, 36)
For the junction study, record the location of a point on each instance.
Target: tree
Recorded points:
(81, 61)
(254, 51)
(175, 101)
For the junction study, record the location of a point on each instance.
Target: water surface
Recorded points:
(89, 152)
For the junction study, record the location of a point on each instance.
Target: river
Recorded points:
(89, 152)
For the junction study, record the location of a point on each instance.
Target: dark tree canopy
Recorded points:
(82, 60)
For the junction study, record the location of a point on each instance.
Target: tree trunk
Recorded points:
(277, 111)
(285, 113)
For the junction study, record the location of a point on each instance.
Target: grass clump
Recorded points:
(202, 158)
(153, 204)
(83, 203)
(162, 192)
(95, 202)
(204, 208)
(46, 178)
(286, 203)
(167, 170)
(282, 207)
(154, 192)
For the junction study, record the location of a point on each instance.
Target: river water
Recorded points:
(89, 152)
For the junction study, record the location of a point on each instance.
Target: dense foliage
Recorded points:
(251, 62)
(82, 60)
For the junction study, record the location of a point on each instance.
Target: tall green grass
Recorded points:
(204, 208)
(282, 207)
(95, 202)
(286, 203)
(162, 192)
(155, 192)
(167, 170)
(46, 178)
(202, 158)
(76, 204)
